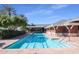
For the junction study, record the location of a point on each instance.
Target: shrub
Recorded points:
(7, 34)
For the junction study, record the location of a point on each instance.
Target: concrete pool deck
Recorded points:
(6, 42)
(41, 51)
(73, 40)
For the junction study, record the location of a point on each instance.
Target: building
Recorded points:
(37, 27)
(64, 28)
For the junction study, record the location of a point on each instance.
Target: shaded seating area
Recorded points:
(64, 28)
(37, 28)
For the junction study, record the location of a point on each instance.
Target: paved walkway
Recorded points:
(41, 51)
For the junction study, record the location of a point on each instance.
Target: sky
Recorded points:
(47, 13)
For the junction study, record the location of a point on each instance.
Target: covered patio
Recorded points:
(64, 28)
(37, 28)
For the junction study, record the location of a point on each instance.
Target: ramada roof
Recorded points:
(37, 25)
(65, 23)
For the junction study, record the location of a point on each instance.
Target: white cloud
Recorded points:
(52, 17)
(43, 12)
(59, 6)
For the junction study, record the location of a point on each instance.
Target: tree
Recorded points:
(8, 10)
(11, 21)
(4, 21)
(18, 21)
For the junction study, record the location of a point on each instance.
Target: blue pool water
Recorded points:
(37, 40)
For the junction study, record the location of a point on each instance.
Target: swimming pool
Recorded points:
(37, 40)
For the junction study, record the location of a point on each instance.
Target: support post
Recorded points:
(69, 30)
(55, 29)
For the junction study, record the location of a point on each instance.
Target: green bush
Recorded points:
(7, 34)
